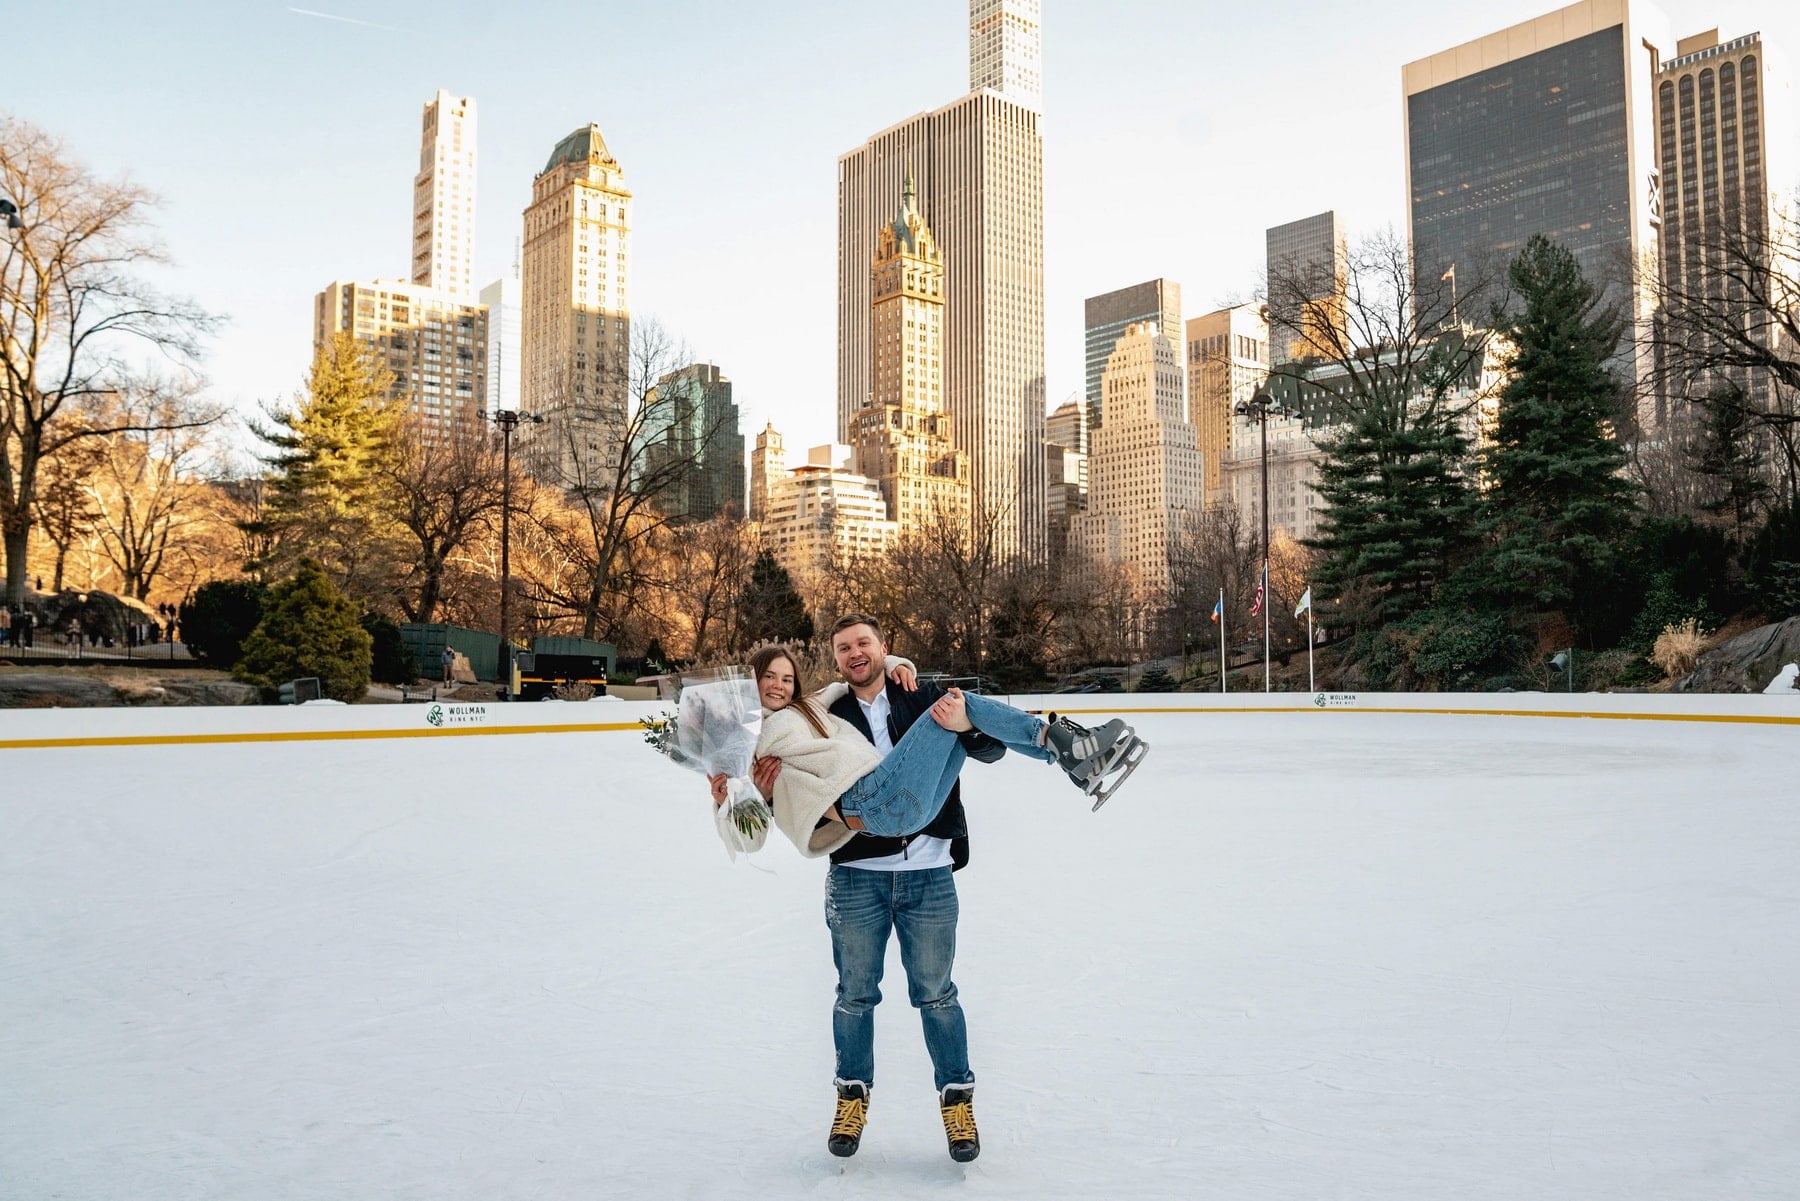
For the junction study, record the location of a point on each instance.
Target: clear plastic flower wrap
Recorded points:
(713, 731)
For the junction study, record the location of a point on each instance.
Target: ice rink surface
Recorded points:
(1307, 956)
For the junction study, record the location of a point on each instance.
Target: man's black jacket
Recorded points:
(904, 708)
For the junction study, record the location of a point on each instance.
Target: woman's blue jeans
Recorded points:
(907, 790)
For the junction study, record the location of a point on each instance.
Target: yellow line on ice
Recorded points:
(1743, 718)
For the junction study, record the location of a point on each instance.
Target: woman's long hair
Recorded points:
(759, 663)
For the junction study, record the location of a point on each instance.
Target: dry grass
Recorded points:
(1678, 648)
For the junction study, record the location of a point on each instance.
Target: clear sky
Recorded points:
(283, 140)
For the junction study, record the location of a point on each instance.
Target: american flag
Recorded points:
(1256, 605)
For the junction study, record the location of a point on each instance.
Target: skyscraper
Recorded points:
(1307, 271)
(690, 429)
(902, 436)
(434, 343)
(1005, 50)
(1545, 127)
(575, 312)
(768, 463)
(1227, 358)
(1713, 141)
(1157, 301)
(504, 325)
(443, 254)
(1145, 474)
(978, 164)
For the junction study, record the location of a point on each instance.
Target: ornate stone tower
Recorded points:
(903, 437)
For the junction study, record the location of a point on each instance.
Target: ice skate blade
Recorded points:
(1119, 772)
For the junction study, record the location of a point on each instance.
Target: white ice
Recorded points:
(1298, 956)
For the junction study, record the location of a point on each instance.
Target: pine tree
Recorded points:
(1728, 450)
(309, 629)
(220, 616)
(1399, 509)
(330, 492)
(772, 608)
(1558, 504)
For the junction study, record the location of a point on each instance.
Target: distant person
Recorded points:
(449, 663)
(8, 635)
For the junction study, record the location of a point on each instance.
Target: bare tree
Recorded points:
(71, 310)
(147, 476)
(66, 511)
(620, 471)
(709, 561)
(1726, 335)
(443, 489)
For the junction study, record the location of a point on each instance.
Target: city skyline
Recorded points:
(334, 202)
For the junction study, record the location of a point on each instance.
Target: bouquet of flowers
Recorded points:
(713, 731)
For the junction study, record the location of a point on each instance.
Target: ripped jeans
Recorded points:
(861, 908)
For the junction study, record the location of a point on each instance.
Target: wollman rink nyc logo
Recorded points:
(455, 715)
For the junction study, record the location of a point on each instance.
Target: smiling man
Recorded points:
(901, 885)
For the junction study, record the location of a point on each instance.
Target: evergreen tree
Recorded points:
(309, 629)
(1558, 504)
(773, 610)
(220, 616)
(1399, 509)
(1729, 451)
(391, 660)
(330, 494)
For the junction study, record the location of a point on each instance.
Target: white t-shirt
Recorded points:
(921, 852)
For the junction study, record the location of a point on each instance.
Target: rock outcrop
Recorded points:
(1746, 663)
(64, 690)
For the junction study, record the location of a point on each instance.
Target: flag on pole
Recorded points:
(1449, 274)
(1218, 609)
(1305, 601)
(1256, 605)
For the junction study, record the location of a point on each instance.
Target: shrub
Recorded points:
(220, 616)
(1678, 648)
(391, 660)
(310, 629)
(1156, 679)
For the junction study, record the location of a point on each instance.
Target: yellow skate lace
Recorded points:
(959, 1121)
(852, 1112)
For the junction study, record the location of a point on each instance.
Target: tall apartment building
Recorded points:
(576, 313)
(1005, 50)
(443, 254)
(434, 343)
(824, 512)
(1293, 463)
(1065, 470)
(1110, 314)
(902, 437)
(1145, 479)
(768, 464)
(978, 163)
(1308, 267)
(1545, 127)
(1227, 360)
(1714, 111)
(689, 431)
(505, 332)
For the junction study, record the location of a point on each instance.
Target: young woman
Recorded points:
(833, 783)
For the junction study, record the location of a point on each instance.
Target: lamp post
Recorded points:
(1261, 407)
(9, 214)
(508, 420)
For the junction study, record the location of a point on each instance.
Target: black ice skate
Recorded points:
(852, 1112)
(957, 1106)
(1098, 760)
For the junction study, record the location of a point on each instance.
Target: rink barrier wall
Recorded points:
(62, 729)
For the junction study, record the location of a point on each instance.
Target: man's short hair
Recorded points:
(856, 619)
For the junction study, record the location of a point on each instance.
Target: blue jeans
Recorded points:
(861, 907)
(906, 792)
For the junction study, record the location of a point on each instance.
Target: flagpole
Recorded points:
(1309, 645)
(1221, 640)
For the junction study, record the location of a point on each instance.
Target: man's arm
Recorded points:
(978, 746)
